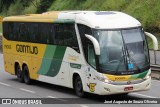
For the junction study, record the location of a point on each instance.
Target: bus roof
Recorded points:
(93, 19)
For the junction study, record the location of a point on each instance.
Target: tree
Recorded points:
(5, 4)
(45, 4)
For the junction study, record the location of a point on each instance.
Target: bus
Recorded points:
(99, 52)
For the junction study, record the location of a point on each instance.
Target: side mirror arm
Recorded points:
(95, 43)
(154, 39)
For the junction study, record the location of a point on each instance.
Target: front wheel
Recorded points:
(123, 94)
(79, 87)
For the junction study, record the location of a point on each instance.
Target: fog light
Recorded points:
(107, 89)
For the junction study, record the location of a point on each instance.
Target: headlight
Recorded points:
(103, 79)
(147, 77)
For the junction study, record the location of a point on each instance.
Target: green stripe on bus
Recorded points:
(57, 61)
(141, 75)
(52, 60)
(64, 21)
(46, 61)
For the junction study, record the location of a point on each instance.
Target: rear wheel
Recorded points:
(19, 74)
(27, 79)
(79, 87)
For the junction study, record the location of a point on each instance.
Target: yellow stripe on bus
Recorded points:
(117, 78)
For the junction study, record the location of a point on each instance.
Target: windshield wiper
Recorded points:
(124, 59)
(130, 58)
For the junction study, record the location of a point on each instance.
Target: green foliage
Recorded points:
(0, 28)
(44, 6)
(33, 7)
(1, 24)
(15, 8)
(5, 3)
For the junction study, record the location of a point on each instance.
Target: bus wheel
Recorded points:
(19, 74)
(123, 94)
(79, 87)
(27, 79)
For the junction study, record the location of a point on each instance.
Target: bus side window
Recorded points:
(82, 31)
(42, 33)
(5, 30)
(10, 30)
(22, 32)
(59, 34)
(52, 34)
(33, 32)
(70, 37)
(15, 32)
(87, 44)
(91, 56)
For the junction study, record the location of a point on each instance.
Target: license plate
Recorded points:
(128, 88)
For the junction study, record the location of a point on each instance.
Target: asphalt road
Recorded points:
(11, 88)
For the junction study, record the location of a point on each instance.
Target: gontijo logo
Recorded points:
(27, 49)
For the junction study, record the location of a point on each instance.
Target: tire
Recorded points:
(123, 94)
(19, 74)
(78, 87)
(27, 79)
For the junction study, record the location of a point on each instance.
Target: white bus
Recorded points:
(100, 52)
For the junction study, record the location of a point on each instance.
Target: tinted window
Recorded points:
(5, 30)
(45, 33)
(66, 35)
(82, 31)
(59, 34)
(22, 32)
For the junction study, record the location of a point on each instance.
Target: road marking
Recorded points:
(27, 90)
(5, 84)
(84, 106)
(144, 95)
(51, 97)
(56, 98)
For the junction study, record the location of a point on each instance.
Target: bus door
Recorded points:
(89, 55)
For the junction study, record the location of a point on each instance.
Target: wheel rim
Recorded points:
(79, 89)
(18, 72)
(26, 77)
(79, 86)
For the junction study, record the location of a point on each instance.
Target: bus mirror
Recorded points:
(154, 39)
(95, 43)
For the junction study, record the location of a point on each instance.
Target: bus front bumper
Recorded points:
(108, 89)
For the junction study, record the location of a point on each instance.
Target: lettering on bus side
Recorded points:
(27, 49)
(7, 47)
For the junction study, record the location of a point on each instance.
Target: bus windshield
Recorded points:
(122, 51)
